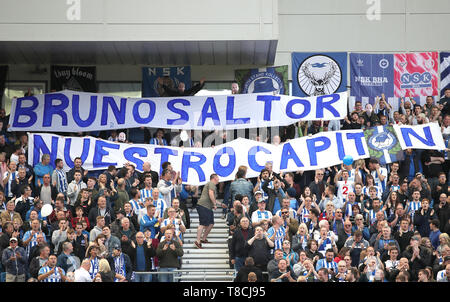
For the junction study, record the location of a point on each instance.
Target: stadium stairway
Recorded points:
(212, 262)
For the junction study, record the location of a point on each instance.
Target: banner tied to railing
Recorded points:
(197, 164)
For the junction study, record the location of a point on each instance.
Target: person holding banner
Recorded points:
(234, 87)
(181, 89)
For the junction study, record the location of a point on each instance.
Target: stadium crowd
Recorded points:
(363, 222)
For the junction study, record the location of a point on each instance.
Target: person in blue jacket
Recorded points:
(41, 169)
(150, 221)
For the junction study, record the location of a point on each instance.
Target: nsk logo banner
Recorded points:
(371, 75)
(318, 73)
(172, 76)
(416, 74)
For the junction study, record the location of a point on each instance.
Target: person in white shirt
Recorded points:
(245, 204)
(444, 275)
(75, 187)
(393, 261)
(169, 185)
(174, 220)
(82, 274)
(330, 234)
(344, 186)
(261, 215)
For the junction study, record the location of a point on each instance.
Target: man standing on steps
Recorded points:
(205, 207)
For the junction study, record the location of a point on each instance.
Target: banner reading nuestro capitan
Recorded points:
(69, 111)
(258, 80)
(321, 150)
(172, 76)
(416, 74)
(318, 73)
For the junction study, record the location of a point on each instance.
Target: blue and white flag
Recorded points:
(261, 80)
(318, 73)
(383, 144)
(172, 76)
(445, 71)
(371, 75)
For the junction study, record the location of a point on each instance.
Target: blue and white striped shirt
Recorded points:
(145, 194)
(372, 215)
(13, 176)
(167, 221)
(380, 184)
(279, 237)
(323, 263)
(161, 206)
(119, 266)
(33, 241)
(365, 191)
(304, 215)
(270, 186)
(324, 245)
(55, 277)
(348, 209)
(155, 141)
(62, 181)
(94, 267)
(136, 206)
(412, 208)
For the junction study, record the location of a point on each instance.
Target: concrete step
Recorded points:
(211, 240)
(213, 231)
(205, 256)
(205, 251)
(204, 260)
(215, 244)
(210, 235)
(220, 225)
(205, 266)
(205, 281)
(217, 218)
(228, 272)
(210, 278)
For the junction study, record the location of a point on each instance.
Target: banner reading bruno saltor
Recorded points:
(70, 111)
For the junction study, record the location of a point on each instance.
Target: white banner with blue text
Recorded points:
(71, 111)
(197, 164)
(425, 136)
